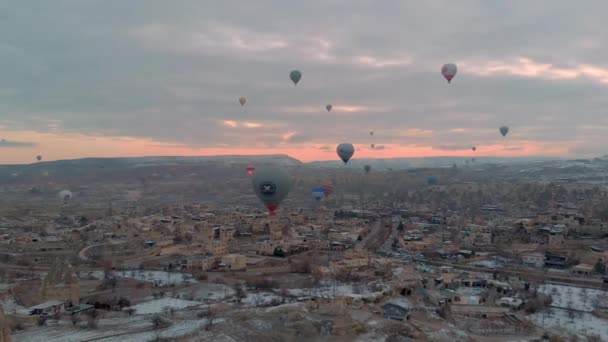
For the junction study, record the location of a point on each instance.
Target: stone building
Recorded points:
(61, 283)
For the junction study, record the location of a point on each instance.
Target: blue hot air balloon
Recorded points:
(318, 193)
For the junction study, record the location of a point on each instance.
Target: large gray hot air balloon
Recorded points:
(345, 151)
(295, 76)
(504, 130)
(271, 184)
(329, 107)
(65, 196)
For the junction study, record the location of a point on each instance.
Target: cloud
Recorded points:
(294, 138)
(16, 144)
(526, 67)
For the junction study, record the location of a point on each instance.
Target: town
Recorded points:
(182, 251)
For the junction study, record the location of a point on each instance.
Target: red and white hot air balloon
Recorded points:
(250, 169)
(449, 71)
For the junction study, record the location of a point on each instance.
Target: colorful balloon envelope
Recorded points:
(449, 71)
(318, 193)
(250, 169)
(271, 184)
(328, 189)
(345, 151)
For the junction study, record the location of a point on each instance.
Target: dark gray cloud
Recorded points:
(16, 144)
(174, 71)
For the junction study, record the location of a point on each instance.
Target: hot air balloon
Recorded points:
(504, 130)
(367, 168)
(372, 145)
(345, 151)
(431, 180)
(39, 157)
(271, 184)
(328, 189)
(250, 169)
(371, 132)
(65, 196)
(295, 76)
(474, 148)
(318, 193)
(449, 71)
(242, 101)
(329, 107)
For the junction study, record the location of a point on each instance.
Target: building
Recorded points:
(52, 307)
(217, 247)
(223, 233)
(556, 259)
(199, 263)
(234, 262)
(582, 269)
(533, 259)
(397, 309)
(478, 311)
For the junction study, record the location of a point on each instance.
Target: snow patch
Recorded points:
(160, 305)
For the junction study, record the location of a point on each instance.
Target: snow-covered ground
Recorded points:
(160, 305)
(210, 292)
(177, 329)
(65, 332)
(10, 306)
(570, 297)
(160, 278)
(261, 299)
(581, 323)
(328, 290)
(112, 330)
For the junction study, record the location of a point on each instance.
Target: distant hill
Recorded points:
(424, 162)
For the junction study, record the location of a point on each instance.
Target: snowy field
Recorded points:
(581, 323)
(261, 299)
(210, 292)
(328, 290)
(570, 297)
(112, 330)
(65, 332)
(161, 305)
(159, 278)
(10, 306)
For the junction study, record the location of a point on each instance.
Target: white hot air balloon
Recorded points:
(449, 71)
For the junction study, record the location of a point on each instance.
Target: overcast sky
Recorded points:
(156, 77)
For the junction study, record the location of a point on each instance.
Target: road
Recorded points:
(82, 254)
(377, 235)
